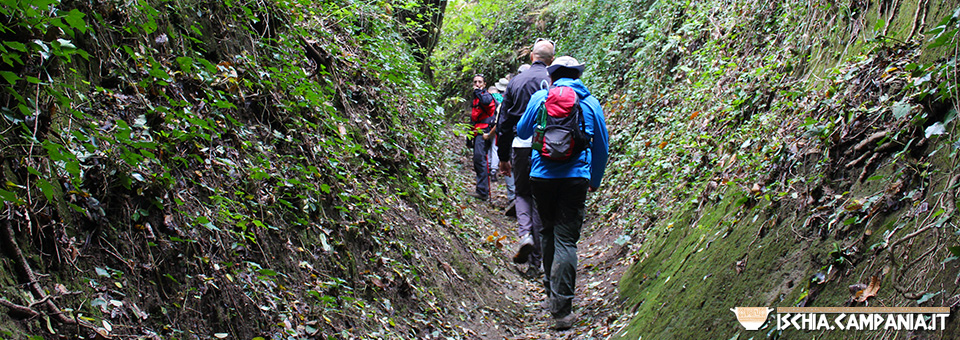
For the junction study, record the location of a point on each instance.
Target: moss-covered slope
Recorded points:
(239, 169)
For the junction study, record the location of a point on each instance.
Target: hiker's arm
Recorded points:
(474, 113)
(506, 169)
(488, 135)
(505, 124)
(484, 96)
(599, 149)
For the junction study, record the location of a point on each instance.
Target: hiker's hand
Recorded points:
(592, 189)
(505, 168)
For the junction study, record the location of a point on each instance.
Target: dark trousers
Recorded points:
(481, 165)
(560, 203)
(528, 221)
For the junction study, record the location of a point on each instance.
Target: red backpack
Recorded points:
(560, 134)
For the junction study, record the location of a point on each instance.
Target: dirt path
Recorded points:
(601, 263)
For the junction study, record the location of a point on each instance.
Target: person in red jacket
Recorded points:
(482, 115)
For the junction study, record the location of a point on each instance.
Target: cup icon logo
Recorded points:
(752, 317)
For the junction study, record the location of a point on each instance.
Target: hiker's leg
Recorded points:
(493, 157)
(524, 200)
(570, 206)
(527, 217)
(480, 165)
(544, 197)
(536, 229)
(511, 187)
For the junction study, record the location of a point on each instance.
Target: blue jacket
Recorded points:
(593, 160)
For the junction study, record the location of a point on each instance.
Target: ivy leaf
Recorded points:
(66, 44)
(10, 77)
(75, 19)
(101, 272)
(926, 297)
(8, 196)
(901, 110)
(16, 45)
(46, 188)
(934, 130)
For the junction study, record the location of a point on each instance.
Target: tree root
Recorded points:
(947, 201)
(27, 274)
(19, 311)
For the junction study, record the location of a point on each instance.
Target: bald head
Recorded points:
(542, 51)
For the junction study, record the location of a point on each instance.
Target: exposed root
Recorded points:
(946, 201)
(19, 311)
(27, 274)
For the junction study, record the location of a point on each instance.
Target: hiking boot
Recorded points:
(477, 196)
(565, 322)
(533, 272)
(524, 250)
(511, 209)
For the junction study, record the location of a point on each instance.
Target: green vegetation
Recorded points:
(275, 169)
(757, 145)
(252, 169)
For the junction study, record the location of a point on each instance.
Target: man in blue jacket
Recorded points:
(560, 189)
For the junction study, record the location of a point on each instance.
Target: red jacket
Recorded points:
(483, 109)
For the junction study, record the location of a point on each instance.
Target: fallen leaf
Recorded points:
(870, 291)
(662, 145)
(854, 206)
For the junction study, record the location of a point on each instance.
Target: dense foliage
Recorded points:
(245, 168)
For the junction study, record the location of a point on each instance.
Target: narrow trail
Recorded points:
(601, 264)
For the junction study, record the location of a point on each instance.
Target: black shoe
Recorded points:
(477, 196)
(565, 322)
(524, 250)
(533, 272)
(511, 209)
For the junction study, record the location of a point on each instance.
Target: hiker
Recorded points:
(515, 152)
(496, 91)
(492, 153)
(482, 118)
(560, 186)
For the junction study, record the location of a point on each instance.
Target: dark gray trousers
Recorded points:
(561, 205)
(481, 164)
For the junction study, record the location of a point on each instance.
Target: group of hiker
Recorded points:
(550, 138)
